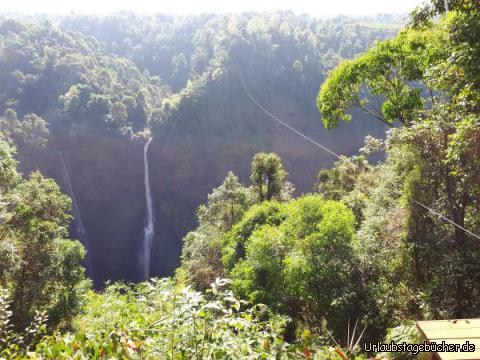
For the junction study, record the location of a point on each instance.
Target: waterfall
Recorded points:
(80, 229)
(149, 227)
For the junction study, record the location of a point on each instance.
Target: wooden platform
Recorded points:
(453, 332)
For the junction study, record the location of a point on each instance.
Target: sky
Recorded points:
(311, 7)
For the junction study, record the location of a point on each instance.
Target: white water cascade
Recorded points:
(80, 229)
(148, 231)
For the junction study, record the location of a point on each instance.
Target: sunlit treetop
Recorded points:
(397, 79)
(390, 71)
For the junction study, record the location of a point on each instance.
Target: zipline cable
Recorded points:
(286, 125)
(291, 128)
(446, 219)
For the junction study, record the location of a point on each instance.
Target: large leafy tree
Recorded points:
(393, 70)
(321, 266)
(39, 266)
(202, 251)
(266, 213)
(446, 177)
(427, 79)
(302, 263)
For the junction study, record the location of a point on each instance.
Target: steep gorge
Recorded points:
(107, 174)
(199, 133)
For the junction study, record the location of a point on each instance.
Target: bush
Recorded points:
(158, 320)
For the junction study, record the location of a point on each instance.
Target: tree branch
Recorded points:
(376, 116)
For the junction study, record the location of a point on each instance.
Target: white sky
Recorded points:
(311, 7)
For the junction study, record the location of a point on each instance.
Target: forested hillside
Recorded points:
(288, 231)
(88, 90)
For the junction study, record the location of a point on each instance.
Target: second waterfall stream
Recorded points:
(148, 231)
(80, 228)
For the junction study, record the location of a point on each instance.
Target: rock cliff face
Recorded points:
(107, 173)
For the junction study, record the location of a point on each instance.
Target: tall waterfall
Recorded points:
(149, 227)
(80, 229)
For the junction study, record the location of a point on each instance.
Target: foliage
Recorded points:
(160, 320)
(102, 66)
(298, 256)
(228, 219)
(202, 251)
(415, 263)
(259, 277)
(15, 344)
(32, 130)
(267, 213)
(88, 85)
(439, 55)
(385, 258)
(268, 176)
(303, 266)
(365, 248)
(405, 333)
(350, 181)
(390, 70)
(320, 270)
(445, 181)
(39, 266)
(226, 204)
(202, 256)
(91, 89)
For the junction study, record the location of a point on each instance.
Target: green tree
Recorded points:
(40, 266)
(259, 277)
(425, 263)
(321, 266)
(303, 263)
(49, 266)
(446, 146)
(350, 181)
(226, 204)
(32, 130)
(268, 176)
(202, 250)
(9, 178)
(390, 70)
(266, 213)
(337, 182)
(119, 113)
